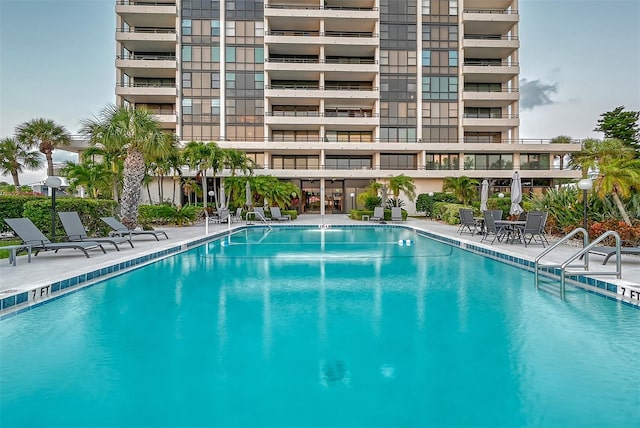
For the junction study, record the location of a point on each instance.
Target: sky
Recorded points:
(578, 59)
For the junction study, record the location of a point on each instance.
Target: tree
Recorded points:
(44, 134)
(197, 156)
(138, 132)
(402, 183)
(622, 125)
(110, 153)
(15, 157)
(464, 188)
(617, 169)
(94, 177)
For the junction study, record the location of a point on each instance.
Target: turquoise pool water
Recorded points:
(309, 327)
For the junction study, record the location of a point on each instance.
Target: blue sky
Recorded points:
(578, 59)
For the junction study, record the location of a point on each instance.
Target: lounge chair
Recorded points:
(467, 222)
(608, 252)
(378, 214)
(76, 232)
(260, 214)
(120, 229)
(31, 235)
(396, 214)
(277, 215)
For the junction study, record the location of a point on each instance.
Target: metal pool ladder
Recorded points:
(256, 216)
(583, 254)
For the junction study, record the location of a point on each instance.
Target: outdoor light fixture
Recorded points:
(501, 195)
(585, 185)
(53, 183)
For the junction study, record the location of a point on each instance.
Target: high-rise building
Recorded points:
(332, 94)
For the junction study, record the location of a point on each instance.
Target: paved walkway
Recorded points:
(47, 267)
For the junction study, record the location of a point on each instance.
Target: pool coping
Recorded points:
(22, 301)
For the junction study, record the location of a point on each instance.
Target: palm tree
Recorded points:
(464, 188)
(402, 183)
(160, 165)
(196, 155)
(237, 160)
(92, 176)
(14, 157)
(44, 134)
(618, 170)
(110, 152)
(138, 132)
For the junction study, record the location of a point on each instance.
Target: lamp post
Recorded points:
(585, 184)
(53, 183)
(353, 207)
(211, 193)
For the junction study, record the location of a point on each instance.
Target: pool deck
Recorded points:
(48, 268)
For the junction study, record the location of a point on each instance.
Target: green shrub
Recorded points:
(370, 202)
(168, 214)
(12, 206)
(425, 203)
(448, 212)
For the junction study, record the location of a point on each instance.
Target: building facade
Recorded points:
(332, 94)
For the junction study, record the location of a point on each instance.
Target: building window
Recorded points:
(492, 161)
(231, 28)
(426, 32)
(397, 161)
(259, 28)
(187, 106)
(437, 161)
(231, 80)
(258, 55)
(215, 27)
(426, 58)
(186, 27)
(453, 7)
(453, 33)
(259, 81)
(186, 80)
(453, 58)
(426, 7)
(231, 54)
(483, 112)
(535, 161)
(215, 80)
(440, 88)
(348, 162)
(186, 53)
(215, 106)
(215, 54)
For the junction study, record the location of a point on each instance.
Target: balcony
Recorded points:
(489, 70)
(327, 11)
(313, 37)
(489, 45)
(499, 123)
(145, 39)
(490, 98)
(485, 21)
(140, 13)
(344, 65)
(147, 93)
(161, 66)
(315, 91)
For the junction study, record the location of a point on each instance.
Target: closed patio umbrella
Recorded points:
(222, 198)
(516, 195)
(484, 195)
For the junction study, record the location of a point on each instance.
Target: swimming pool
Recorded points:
(322, 327)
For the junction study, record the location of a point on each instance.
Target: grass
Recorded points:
(4, 254)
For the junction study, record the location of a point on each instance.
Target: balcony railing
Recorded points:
(302, 60)
(145, 85)
(147, 57)
(493, 11)
(490, 63)
(490, 116)
(146, 30)
(144, 3)
(323, 88)
(423, 141)
(320, 114)
(296, 33)
(489, 37)
(303, 7)
(508, 90)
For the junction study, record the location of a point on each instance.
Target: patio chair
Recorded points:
(77, 233)
(277, 215)
(378, 214)
(237, 216)
(260, 214)
(490, 228)
(497, 215)
(396, 214)
(31, 235)
(467, 222)
(532, 229)
(609, 252)
(120, 229)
